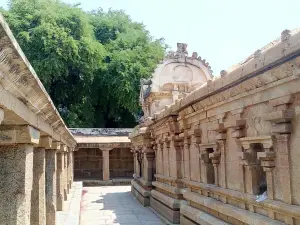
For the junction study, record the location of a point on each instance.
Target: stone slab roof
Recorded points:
(101, 135)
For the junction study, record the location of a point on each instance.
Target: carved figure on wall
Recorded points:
(255, 124)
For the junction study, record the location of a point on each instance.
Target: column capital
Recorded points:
(45, 142)
(55, 145)
(24, 134)
(63, 148)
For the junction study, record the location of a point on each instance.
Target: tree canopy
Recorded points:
(90, 63)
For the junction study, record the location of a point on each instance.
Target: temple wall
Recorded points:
(228, 141)
(88, 163)
(121, 163)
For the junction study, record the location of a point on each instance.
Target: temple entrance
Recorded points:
(121, 163)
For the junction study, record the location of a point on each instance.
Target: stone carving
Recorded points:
(256, 125)
(285, 35)
(257, 54)
(181, 50)
(195, 55)
(171, 54)
(223, 73)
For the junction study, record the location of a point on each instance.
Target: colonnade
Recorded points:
(35, 176)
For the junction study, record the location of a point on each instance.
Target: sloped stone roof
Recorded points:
(101, 135)
(101, 132)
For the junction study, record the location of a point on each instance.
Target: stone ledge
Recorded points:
(166, 187)
(145, 201)
(145, 183)
(171, 215)
(229, 210)
(170, 202)
(199, 216)
(162, 177)
(140, 189)
(276, 206)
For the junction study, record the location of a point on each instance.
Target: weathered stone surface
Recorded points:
(16, 174)
(50, 171)
(60, 181)
(38, 200)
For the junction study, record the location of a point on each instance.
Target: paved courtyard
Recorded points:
(114, 205)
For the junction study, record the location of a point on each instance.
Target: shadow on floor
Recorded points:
(114, 205)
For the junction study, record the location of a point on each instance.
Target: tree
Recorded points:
(90, 63)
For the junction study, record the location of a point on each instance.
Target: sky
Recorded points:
(224, 32)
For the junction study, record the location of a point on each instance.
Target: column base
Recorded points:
(60, 203)
(142, 195)
(66, 192)
(170, 214)
(51, 215)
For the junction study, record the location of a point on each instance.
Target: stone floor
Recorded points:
(71, 213)
(114, 205)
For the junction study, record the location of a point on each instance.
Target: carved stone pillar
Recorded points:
(38, 203)
(134, 162)
(175, 157)
(283, 155)
(166, 162)
(186, 158)
(208, 172)
(215, 157)
(160, 158)
(251, 169)
(105, 155)
(51, 182)
(16, 173)
(60, 179)
(195, 165)
(148, 166)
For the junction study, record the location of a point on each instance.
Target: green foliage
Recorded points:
(90, 63)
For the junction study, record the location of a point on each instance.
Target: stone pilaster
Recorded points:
(105, 155)
(38, 204)
(175, 157)
(148, 166)
(208, 170)
(16, 173)
(51, 183)
(165, 153)
(60, 181)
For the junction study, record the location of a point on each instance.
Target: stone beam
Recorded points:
(10, 102)
(19, 135)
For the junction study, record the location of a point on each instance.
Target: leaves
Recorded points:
(90, 63)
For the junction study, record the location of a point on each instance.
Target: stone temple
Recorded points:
(209, 150)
